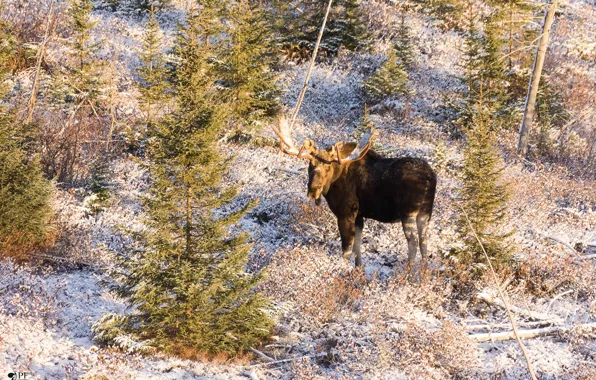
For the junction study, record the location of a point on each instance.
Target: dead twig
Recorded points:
(556, 298)
(527, 334)
(262, 355)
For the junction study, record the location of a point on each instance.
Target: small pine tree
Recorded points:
(100, 183)
(84, 80)
(403, 44)
(24, 193)
(187, 281)
(248, 73)
(483, 195)
(439, 156)
(390, 80)
(551, 116)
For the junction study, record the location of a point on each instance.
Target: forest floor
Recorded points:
(332, 321)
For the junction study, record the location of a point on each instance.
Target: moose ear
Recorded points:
(345, 149)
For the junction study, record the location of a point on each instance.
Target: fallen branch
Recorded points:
(262, 355)
(320, 355)
(527, 334)
(533, 315)
(558, 321)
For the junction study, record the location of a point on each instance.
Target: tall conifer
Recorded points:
(187, 282)
(152, 71)
(483, 195)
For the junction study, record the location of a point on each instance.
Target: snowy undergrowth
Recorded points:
(359, 324)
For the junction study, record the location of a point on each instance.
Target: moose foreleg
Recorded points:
(409, 226)
(347, 230)
(358, 240)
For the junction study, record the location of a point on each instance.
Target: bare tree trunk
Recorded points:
(526, 125)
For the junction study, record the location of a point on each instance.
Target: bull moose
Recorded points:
(360, 183)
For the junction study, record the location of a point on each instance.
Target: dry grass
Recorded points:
(222, 358)
(550, 275)
(321, 287)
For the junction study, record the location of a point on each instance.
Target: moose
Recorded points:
(359, 183)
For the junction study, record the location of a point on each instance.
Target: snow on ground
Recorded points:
(366, 324)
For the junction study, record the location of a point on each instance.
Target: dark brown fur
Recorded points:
(389, 190)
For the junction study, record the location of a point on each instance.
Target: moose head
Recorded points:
(358, 183)
(325, 165)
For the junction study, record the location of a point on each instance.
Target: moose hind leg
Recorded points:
(409, 226)
(347, 230)
(358, 240)
(422, 224)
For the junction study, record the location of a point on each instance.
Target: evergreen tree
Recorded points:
(482, 67)
(100, 183)
(152, 71)
(24, 193)
(483, 195)
(450, 13)
(187, 282)
(248, 74)
(346, 27)
(390, 80)
(84, 80)
(403, 44)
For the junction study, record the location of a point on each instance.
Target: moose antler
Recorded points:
(285, 139)
(362, 148)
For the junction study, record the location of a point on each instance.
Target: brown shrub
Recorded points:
(321, 287)
(549, 275)
(584, 371)
(22, 250)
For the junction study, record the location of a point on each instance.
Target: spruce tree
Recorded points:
(346, 27)
(253, 93)
(483, 194)
(84, 80)
(187, 281)
(153, 86)
(390, 80)
(24, 193)
(482, 67)
(403, 44)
